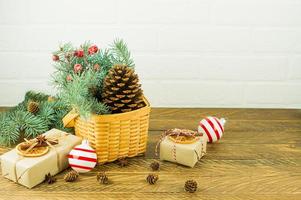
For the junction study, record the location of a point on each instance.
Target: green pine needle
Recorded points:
(34, 125)
(18, 122)
(35, 96)
(9, 130)
(47, 112)
(121, 53)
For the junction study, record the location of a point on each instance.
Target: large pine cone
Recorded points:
(33, 107)
(121, 90)
(191, 186)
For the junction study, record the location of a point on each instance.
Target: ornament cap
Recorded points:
(223, 121)
(85, 142)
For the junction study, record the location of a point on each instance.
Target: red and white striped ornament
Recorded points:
(82, 158)
(212, 127)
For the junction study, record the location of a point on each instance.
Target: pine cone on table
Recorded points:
(71, 176)
(33, 107)
(102, 178)
(121, 90)
(191, 186)
(152, 178)
(155, 166)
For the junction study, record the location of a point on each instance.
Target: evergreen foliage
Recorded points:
(121, 54)
(79, 76)
(17, 122)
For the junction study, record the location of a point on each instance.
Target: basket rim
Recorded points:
(144, 109)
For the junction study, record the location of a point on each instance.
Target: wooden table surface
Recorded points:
(259, 157)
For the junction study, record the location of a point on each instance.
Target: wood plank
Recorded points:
(145, 196)
(170, 182)
(249, 145)
(231, 125)
(248, 137)
(248, 152)
(231, 113)
(259, 157)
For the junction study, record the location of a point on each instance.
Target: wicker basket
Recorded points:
(113, 136)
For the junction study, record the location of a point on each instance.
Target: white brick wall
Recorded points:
(189, 53)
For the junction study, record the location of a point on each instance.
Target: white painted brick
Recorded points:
(168, 67)
(12, 92)
(32, 38)
(14, 11)
(295, 68)
(273, 94)
(233, 68)
(257, 13)
(244, 68)
(276, 40)
(139, 38)
(193, 93)
(188, 53)
(72, 12)
(57, 12)
(166, 11)
(26, 66)
(195, 38)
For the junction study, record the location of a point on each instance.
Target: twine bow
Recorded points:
(177, 133)
(39, 141)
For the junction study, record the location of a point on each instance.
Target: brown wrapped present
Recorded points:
(30, 161)
(182, 146)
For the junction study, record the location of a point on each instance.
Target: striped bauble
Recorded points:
(82, 158)
(212, 127)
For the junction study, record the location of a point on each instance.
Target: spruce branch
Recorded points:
(121, 53)
(9, 130)
(47, 112)
(34, 125)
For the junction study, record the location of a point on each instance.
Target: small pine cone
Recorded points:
(49, 179)
(155, 166)
(71, 176)
(102, 178)
(122, 162)
(191, 186)
(33, 107)
(152, 178)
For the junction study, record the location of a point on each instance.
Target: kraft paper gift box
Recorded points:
(184, 154)
(30, 171)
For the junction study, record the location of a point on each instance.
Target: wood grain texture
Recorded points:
(259, 157)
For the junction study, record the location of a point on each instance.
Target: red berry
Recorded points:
(55, 57)
(77, 68)
(92, 49)
(79, 53)
(69, 78)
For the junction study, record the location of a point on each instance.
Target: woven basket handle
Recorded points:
(69, 119)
